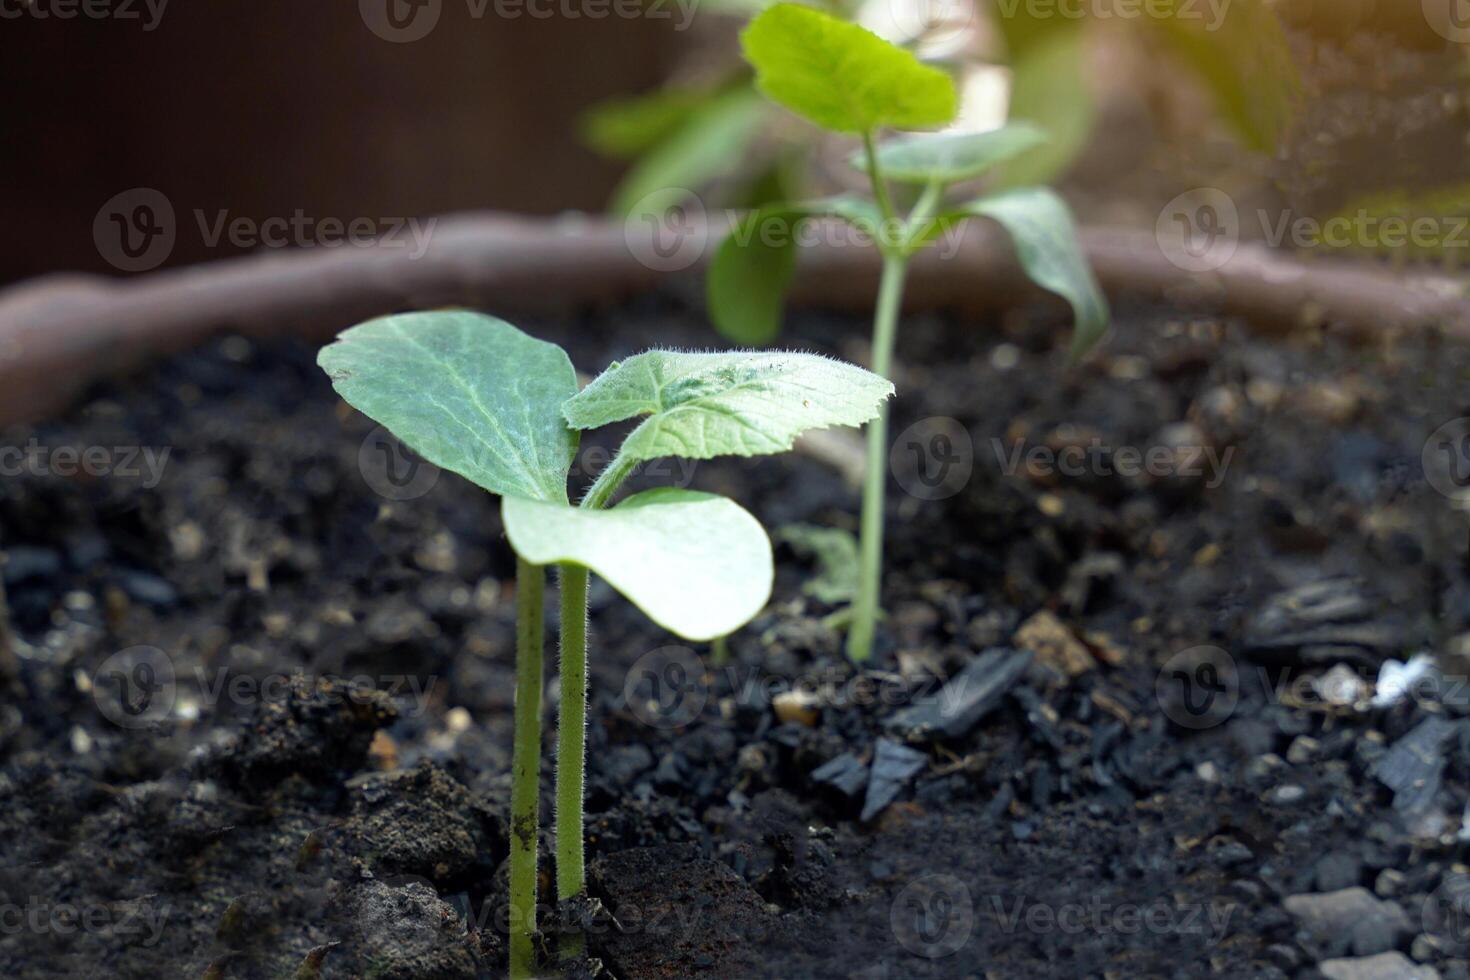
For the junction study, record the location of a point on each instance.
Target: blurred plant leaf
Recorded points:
(835, 552)
(469, 393)
(843, 77)
(696, 563)
(737, 403)
(623, 128)
(1244, 59)
(1041, 226)
(1048, 89)
(950, 157)
(751, 271)
(711, 142)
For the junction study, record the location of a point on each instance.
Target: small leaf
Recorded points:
(623, 128)
(841, 76)
(467, 392)
(726, 404)
(747, 280)
(1046, 243)
(836, 554)
(951, 157)
(697, 564)
(751, 271)
(711, 142)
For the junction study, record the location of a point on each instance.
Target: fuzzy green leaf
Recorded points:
(467, 392)
(697, 564)
(726, 404)
(1046, 243)
(841, 76)
(951, 157)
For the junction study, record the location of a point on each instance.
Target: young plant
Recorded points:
(474, 395)
(847, 80)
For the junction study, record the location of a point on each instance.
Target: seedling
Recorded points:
(848, 80)
(476, 396)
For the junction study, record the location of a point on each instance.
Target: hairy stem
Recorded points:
(608, 481)
(525, 790)
(571, 742)
(870, 543)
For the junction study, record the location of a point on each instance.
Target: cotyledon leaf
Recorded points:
(740, 403)
(950, 157)
(1041, 226)
(698, 564)
(469, 393)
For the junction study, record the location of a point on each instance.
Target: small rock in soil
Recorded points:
(1054, 645)
(968, 697)
(893, 766)
(845, 773)
(1384, 966)
(1414, 766)
(1322, 622)
(406, 933)
(1341, 686)
(1350, 922)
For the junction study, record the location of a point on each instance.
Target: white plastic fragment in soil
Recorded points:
(1395, 679)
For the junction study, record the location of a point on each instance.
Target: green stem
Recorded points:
(571, 743)
(608, 481)
(525, 789)
(870, 543)
(880, 186)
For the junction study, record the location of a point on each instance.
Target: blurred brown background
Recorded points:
(267, 106)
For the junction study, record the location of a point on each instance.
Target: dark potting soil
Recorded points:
(1094, 743)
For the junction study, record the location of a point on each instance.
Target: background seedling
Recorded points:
(474, 395)
(848, 80)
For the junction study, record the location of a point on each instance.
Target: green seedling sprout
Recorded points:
(847, 80)
(476, 396)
